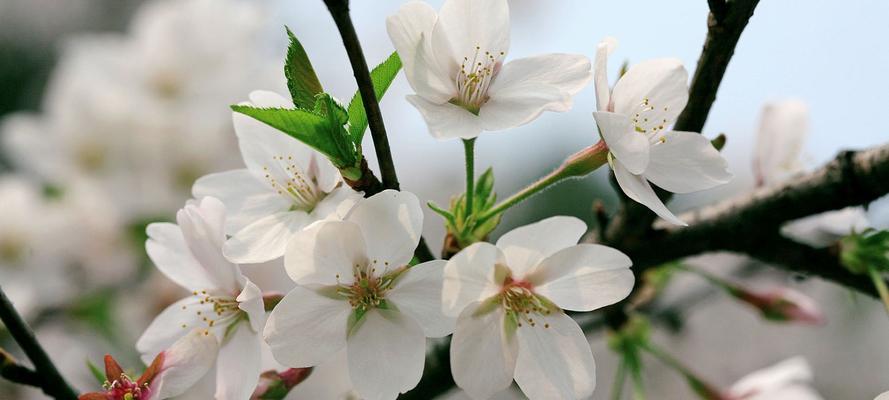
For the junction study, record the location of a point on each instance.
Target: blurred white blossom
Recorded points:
(790, 379)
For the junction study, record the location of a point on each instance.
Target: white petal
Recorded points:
(470, 276)
(246, 198)
(184, 363)
(307, 328)
(326, 254)
(584, 277)
(527, 87)
(337, 204)
(239, 364)
(526, 246)
(265, 239)
(417, 293)
(825, 229)
(386, 354)
(269, 99)
(663, 82)
(203, 226)
(410, 30)
(392, 223)
(483, 353)
(465, 27)
(783, 127)
(685, 162)
(250, 302)
(785, 373)
(167, 249)
(627, 145)
(447, 121)
(170, 325)
(637, 188)
(554, 362)
(600, 69)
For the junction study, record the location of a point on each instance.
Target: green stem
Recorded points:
(880, 284)
(469, 150)
(577, 165)
(620, 377)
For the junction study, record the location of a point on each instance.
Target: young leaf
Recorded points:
(301, 78)
(336, 116)
(312, 129)
(382, 76)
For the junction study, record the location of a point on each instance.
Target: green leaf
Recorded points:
(308, 127)
(96, 372)
(301, 78)
(381, 76)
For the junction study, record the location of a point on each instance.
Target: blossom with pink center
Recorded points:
(509, 299)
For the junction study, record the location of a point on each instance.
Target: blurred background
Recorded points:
(109, 109)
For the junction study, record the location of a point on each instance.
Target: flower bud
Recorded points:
(781, 304)
(274, 385)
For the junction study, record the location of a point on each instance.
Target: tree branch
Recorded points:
(11, 370)
(339, 10)
(50, 380)
(634, 219)
(750, 223)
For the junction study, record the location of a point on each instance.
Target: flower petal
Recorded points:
(306, 328)
(417, 293)
(554, 360)
(171, 324)
(167, 249)
(392, 223)
(246, 198)
(627, 145)
(600, 69)
(527, 87)
(265, 239)
(637, 188)
(239, 364)
(785, 373)
(662, 82)
(250, 302)
(483, 353)
(184, 363)
(684, 162)
(584, 277)
(526, 246)
(326, 254)
(337, 204)
(468, 27)
(783, 127)
(410, 31)
(469, 277)
(447, 121)
(385, 338)
(203, 226)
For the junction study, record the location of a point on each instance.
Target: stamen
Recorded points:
(474, 79)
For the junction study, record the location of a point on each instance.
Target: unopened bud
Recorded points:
(274, 385)
(781, 304)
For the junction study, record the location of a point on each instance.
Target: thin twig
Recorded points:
(51, 380)
(339, 10)
(11, 370)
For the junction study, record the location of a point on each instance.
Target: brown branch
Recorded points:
(11, 370)
(750, 223)
(634, 220)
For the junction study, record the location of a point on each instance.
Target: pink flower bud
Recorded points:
(782, 304)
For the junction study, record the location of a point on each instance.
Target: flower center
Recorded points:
(367, 290)
(214, 310)
(646, 120)
(299, 187)
(475, 78)
(125, 388)
(522, 304)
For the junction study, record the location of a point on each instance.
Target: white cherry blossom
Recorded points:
(285, 187)
(454, 61)
(635, 119)
(783, 128)
(223, 301)
(509, 299)
(790, 379)
(356, 291)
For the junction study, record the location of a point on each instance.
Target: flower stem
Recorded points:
(703, 389)
(469, 150)
(880, 285)
(51, 380)
(577, 165)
